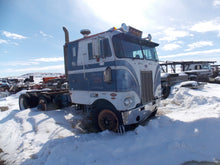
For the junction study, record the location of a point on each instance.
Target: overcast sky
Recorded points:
(31, 35)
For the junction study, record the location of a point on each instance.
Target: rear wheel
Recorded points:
(166, 92)
(24, 101)
(42, 104)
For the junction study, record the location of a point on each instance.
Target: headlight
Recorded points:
(128, 101)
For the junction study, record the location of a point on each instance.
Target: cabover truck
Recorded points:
(114, 75)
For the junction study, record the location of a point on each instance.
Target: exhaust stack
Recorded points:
(65, 47)
(66, 34)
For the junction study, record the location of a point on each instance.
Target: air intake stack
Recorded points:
(85, 32)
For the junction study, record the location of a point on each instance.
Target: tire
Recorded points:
(24, 101)
(58, 101)
(42, 104)
(166, 92)
(33, 101)
(153, 114)
(108, 119)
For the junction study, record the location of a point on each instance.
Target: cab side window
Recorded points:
(99, 48)
(105, 50)
(90, 51)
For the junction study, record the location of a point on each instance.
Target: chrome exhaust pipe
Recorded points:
(66, 34)
(65, 48)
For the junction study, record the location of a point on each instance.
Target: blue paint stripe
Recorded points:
(95, 82)
(106, 64)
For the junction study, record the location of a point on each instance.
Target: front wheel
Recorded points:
(109, 120)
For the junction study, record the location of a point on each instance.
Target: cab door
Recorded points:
(99, 57)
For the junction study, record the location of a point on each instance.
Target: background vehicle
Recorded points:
(4, 85)
(174, 72)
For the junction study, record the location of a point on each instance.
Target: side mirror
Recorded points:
(108, 75)
(96, 48)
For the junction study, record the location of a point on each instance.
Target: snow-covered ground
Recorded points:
(187, 128)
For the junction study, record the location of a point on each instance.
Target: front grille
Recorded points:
(146, 86)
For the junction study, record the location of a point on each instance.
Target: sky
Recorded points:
(32, 39)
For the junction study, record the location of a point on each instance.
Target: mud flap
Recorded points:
(121, 129)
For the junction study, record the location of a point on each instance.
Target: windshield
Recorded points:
(133, 47)
(207, 66)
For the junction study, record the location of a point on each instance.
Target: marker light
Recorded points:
(112, 29)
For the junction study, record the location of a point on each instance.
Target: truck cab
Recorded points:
(199, 70)
(115, 75)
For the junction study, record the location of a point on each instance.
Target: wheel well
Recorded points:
(102, 103)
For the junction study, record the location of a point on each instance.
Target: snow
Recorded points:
(186, 128)
(164, 75)
(217, 78)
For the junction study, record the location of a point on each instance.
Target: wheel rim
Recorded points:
(108, 120)
(42, 105)
(22, 104)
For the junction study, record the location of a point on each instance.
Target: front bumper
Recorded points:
(138, 114)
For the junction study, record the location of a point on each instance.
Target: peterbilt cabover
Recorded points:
(113, 75)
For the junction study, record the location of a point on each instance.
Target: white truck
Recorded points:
(113, 75)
